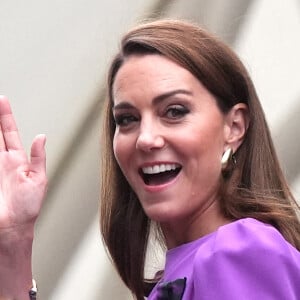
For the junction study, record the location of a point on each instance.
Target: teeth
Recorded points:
(160, 168)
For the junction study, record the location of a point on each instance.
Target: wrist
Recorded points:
(15, 262)
(16, 236)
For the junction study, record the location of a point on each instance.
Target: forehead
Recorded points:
(151, 72)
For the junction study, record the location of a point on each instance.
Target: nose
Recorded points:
(149, 138)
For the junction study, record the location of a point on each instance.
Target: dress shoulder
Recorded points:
(247, 260)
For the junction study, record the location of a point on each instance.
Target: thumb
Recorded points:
(38, 154)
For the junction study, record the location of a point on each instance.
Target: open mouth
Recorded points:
(159, 174)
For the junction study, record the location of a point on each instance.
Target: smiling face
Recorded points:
(169, 139)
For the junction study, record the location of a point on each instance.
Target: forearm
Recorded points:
(15, 264)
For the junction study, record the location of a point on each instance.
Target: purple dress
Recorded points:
(243, 260)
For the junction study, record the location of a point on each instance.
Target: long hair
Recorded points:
(256, 186)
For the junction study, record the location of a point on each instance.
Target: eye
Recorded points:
(124, 120)
(176, 111)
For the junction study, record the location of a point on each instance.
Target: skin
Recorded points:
(22, 189)
(164, 115)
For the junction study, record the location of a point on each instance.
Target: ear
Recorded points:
(236, 125)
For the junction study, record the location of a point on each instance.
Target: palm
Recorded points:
(22, 181)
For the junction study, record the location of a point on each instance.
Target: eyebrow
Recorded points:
(156, 100)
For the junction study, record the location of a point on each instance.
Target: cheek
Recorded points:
(117, 148)
(207, 147)
(123, 153)
(122, 148)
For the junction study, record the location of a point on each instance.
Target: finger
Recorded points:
(10, 136)
(38, 155)
(2, 107)
(2, 143)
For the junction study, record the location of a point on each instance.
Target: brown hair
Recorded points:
(255, 188)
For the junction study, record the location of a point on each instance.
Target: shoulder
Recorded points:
(251, 257)
(247, 233)
(250, 238)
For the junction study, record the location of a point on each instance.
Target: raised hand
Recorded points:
(22, 190)
(22, 179)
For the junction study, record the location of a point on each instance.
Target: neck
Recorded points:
(192, 228)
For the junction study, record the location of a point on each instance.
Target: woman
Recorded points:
(187, 148)
(186, 151)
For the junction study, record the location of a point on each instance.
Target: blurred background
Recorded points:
(53, 62)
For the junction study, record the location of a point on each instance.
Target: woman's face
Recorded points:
(169, 139)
